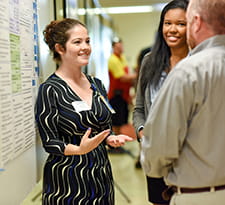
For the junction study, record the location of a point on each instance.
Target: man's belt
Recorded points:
(168, 193)
(197, 190)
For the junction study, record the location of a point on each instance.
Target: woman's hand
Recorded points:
(118, 140)
(87, 144)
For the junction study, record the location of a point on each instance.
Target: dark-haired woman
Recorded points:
(169, 48)
(74, 121)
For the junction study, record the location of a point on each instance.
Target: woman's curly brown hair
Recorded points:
(57, 32)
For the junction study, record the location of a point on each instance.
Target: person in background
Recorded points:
(169, 48)
(74, 121)
(184, 135)
(121, 80)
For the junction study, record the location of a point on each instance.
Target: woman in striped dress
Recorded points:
(74, 121)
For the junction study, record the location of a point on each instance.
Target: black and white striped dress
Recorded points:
(79, 179)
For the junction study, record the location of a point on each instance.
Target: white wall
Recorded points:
(45, 15)
(18, 179)
(137, 31)
(47, 67)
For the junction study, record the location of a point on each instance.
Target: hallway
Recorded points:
(129, 180)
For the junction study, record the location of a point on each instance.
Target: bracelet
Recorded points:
(139, 129)
(139, 139)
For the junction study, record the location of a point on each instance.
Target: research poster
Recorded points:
(17, 78)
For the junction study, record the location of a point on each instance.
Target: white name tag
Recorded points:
(80, 106)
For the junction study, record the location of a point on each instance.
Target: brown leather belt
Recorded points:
(196, 190)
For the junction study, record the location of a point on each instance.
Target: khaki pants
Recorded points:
(202, 198)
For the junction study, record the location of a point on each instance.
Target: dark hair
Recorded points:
(57, 32)
(159, 58)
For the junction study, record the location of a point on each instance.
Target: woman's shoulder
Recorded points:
(146, 57)
(94, 79)
(97, 83)
(53, 81)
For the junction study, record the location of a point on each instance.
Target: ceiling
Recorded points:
(118, 3)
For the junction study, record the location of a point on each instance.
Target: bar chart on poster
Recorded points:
(18, 76)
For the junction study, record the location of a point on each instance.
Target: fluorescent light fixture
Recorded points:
(121, 10)
(129, 9)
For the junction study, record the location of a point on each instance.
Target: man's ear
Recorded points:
(197, 24)
(59, 49)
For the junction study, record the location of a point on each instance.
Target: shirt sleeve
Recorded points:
(47, 119)
(166, 125)
(139, 115)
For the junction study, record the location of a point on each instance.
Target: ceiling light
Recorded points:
(121, 10)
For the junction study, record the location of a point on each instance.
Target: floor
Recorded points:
(130, 186)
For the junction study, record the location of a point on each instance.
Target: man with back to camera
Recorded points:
(185, 134)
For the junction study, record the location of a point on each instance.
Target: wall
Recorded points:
(46, 66)
(18, 179)
(137, 31)
(45, 15)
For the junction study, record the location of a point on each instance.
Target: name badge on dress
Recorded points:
(80, 106)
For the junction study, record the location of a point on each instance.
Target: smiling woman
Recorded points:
(77, 48)
(74, 123)
(174, 28)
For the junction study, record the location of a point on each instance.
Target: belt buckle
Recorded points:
(212, 189)
(179, 190)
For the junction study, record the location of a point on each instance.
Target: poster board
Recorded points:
(18, 75)
(17, 82)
